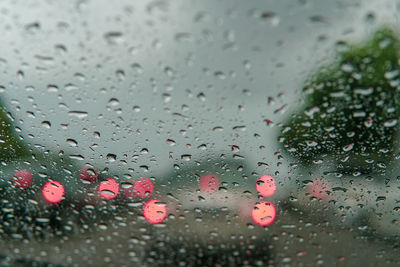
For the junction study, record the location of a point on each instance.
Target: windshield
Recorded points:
(199, 133)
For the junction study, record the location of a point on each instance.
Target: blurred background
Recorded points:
(229, 109)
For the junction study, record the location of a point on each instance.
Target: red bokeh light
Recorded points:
(109, 189)
(144, 187)
(266, 185)
(89, 173)
(209, 183)
(22, 179)
(53, 191)
(319, 189)
(263, 213)
(155, 211)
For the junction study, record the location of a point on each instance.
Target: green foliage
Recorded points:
(11, 146)
(351, 107)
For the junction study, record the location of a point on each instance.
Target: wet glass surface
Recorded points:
(199, 133)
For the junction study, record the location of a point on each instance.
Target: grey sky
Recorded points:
(190, 71)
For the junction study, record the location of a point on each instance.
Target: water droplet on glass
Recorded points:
(270, 17)
(72, 142)
(263, 213)
(78, 114)
(89, 174)
(114, 37)
(144, 187)
(109, 189)
(155, 211)
(186, 157)
(46, 124)
(53, 191)
(111, 157)
(266, 185)
(113, 102)
(22, 179)
(209, 183)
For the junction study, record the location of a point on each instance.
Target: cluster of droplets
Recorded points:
(320, 189)
(154, 210)
(263, 212)
(53, 191)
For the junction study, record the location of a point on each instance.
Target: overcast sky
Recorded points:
(196, 72)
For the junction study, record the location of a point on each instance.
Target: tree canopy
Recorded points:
(351, 107)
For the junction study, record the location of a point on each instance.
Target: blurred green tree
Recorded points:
(11, 145)
(351, 108)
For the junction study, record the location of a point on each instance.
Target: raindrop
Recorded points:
(166, 97)
(89, 174)
(263, 213)
(266, 185)
(137, 68)
(390, 123)
(111, 157)
(78, 114)
(348, 147)
(33, 27)
(155, 211)
(127, 189)
(71, 87)
(53, 191)
(72, 142)
(46, 124)
(120, 75)
(171, 142)
(51, 88)
(77, 157)
(113, 102)
(114, 37)
(209, 183)
(144, 187)
(201, 96)
(270, 17)
(186, 157)
(109, 189)
(22, 179)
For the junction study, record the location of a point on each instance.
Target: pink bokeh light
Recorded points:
(263, 213)
(53, 191)
(155, 211)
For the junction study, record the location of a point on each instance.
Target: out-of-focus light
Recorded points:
(266, 185)
(53, 191)
(319, 189)
(264, 213)
(109, 189)
(209, 183)
(89, 174)
(155, 211)
(22, 179)
(144, 187)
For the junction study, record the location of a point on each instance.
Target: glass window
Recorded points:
(199, 133)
